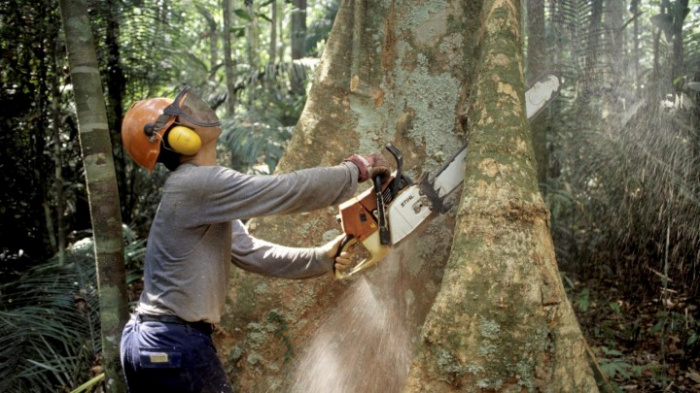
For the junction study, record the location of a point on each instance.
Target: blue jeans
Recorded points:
(171, 357)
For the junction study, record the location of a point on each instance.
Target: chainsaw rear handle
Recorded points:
(372, 244)
(345, 244)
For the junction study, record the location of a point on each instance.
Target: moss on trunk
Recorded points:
(501, 321)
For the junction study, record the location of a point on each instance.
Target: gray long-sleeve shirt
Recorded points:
(197, 233)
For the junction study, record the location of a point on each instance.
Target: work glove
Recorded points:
(370, 166)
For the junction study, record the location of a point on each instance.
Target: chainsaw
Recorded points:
(394, 207)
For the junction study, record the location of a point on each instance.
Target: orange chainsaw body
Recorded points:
(357, 215)
(360, 222)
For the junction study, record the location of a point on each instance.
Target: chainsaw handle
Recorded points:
(372, 244)
(345, 244)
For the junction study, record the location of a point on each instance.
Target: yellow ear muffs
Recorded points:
(184, 140)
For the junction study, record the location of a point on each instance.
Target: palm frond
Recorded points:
(49, 321)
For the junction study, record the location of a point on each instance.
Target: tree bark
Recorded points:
(536, 66)
(680, 11)
(228, 60)
(116, 83)
(416, 83)
(252, 37)
(634, 9)
(298, 27)
(502, 321)
(593, 39)
(272, 49)
(213, 39)
(57, 151)
(101, 184)
(298, 37)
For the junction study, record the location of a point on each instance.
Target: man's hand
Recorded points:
(370, 166)
(343, 260)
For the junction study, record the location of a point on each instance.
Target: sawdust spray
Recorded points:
(366, 343)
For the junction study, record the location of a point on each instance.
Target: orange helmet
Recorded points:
(146, 122)
(139, 139)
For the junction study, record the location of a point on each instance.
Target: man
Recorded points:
(197, 233)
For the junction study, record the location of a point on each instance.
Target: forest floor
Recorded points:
(642, 345)
(645, 344)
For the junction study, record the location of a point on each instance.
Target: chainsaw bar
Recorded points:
(413, 205)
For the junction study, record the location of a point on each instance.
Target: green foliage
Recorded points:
(692, 339)
(683, 327)
(319, 29)
(49, 321)
(615, 307)
(614, 364)
(622, 184)
(583, 300)
(49, 328)
(260, 133)
(28, 118)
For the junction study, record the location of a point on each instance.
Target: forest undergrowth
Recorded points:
(645, 342)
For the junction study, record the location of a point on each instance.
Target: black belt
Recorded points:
(175, 320)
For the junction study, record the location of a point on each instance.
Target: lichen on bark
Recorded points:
(500, 321)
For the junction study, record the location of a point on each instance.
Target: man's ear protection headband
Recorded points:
(191, 107)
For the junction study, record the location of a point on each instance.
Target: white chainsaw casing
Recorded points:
(406, 212)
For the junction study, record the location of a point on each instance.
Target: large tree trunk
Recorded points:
(414, 78)
(101, 184)
(501, 321)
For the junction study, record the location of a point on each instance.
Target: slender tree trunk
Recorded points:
(213, 39)
(46, 231)
(536, 65)
(615, 25)
(57, 151)
(116, 83)
(298, 35)
(656, 68)
(272, 51)
(228, 60)
(101, 184)
(536, 42)
(420, 83)
(680, 11)
(280, 35)
(634, 8)
(252, 37)
(593, 38)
